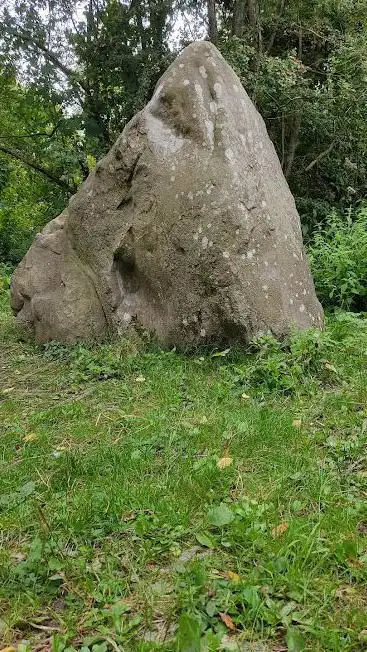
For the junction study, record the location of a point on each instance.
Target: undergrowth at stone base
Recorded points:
(156, 501)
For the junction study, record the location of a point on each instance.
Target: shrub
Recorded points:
(283, 367)
(5, 276)
(338, 257)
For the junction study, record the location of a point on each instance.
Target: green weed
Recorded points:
(338, 257)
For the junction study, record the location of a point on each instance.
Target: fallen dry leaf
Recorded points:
(8, 649)
(245, 397)
(224, 462)
(140, 379)
(279, 530)
(230, 575)
(297, 423)
(345, 592)
(227, 620)
(7, 391)
(96, 565)
(362, 527)
(130, 516)
(215, 573)
(330, 367)
(18, 556)
(356, 563)
(31, 437)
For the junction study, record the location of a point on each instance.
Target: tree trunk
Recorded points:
(300, 42)
(238, 18)
(253, 13)
(158, 13)
(212, 21)
(247, 12)
(293, 144)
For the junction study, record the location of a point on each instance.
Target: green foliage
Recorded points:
(220, 516)
(305, 360)
(304, 98)
(27, 199)
(284, 366)
(5, 273)
(188, 639)
(5, 277)
(338, 257)
(26, 204)
(36, 132)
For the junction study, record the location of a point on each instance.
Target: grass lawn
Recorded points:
(156, 501)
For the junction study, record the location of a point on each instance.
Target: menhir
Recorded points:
(186, 229)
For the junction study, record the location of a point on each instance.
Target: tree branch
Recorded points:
(48, 54)
(78, 84)
(320, 156)
(71, 16)
(51, 176)
(35, 135)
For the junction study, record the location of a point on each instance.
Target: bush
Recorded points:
(5, 276)
(338, 257)
(284, 367)
(305, 360)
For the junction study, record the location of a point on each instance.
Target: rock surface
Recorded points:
(187, 228)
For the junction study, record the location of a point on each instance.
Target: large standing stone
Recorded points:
(187, 228)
